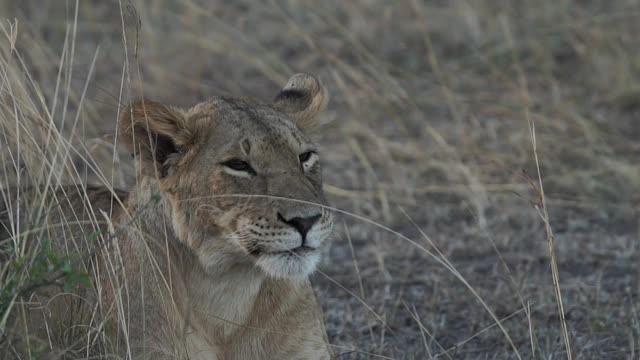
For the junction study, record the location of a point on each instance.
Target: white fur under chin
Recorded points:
(287, 266)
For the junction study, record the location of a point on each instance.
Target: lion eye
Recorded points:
(305, 156)
(239, 165)
(308, 159)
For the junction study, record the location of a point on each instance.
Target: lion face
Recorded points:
(243, 180)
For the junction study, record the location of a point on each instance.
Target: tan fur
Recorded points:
(206, 261)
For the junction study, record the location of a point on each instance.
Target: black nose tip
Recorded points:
(303, 225)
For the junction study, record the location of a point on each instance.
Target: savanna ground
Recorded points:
(436, 108)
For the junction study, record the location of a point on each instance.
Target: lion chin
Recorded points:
(289, 265)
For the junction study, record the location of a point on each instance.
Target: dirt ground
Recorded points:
(430, 157)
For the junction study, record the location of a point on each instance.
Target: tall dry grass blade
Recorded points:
(542, 209)
(544, 215)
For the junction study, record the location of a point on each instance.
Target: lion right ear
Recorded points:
(303, 98)
(155, 134)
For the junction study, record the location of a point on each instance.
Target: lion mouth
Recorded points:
(299, 251)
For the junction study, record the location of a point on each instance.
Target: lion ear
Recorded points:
(155, 133)
(303, 98)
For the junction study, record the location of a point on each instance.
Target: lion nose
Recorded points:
(303, 225)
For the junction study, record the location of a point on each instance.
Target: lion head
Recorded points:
(242, 178)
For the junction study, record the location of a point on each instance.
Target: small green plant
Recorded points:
(44, 267)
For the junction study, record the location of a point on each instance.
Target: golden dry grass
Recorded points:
(434, 105)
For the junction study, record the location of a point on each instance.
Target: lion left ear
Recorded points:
(303, 98)
(155, 133)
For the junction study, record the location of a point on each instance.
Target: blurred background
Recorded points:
(436, 107)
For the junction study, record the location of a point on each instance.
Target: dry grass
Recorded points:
(433, 105)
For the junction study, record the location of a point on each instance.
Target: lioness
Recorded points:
(210, 254)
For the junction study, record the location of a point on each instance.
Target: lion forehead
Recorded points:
(226, 122)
